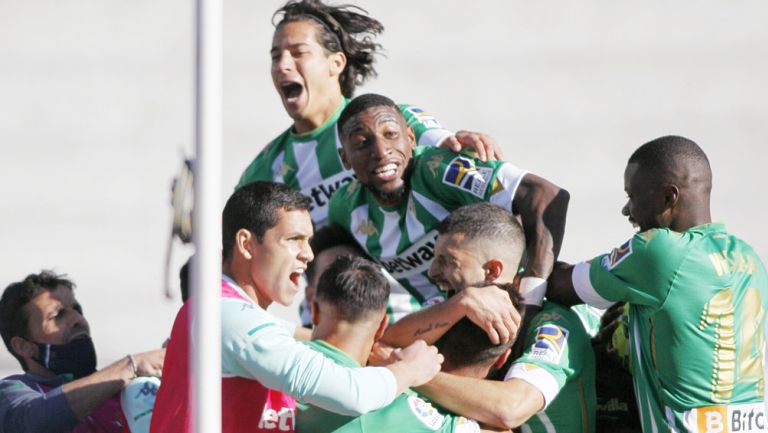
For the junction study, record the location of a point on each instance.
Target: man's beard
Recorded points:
(391, 197)
(396, 196)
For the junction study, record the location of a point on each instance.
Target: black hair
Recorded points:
(362, 103)
(466, 344)
(255, 207)
(485, 221)
(14, 320)
(327, 238)
(665, 157)
(343, 28)
(354, 286)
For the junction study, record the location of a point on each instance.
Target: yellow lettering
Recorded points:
(720, 262)
(725, 263)
(719, 313)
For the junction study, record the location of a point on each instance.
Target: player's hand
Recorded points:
(486, 147)
(381, 354)
(491, 309)
(150, 363)
(419, 362)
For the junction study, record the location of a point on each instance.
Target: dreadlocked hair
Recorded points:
(344, 28)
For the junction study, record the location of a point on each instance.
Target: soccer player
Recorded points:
(349, 316)
(265, 235)
(551, 387)
(401, 194)
(697, 297)
(320, 54)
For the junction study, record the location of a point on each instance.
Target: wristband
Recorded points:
(533, 290)
(132, 360)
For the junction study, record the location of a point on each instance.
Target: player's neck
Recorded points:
(352, 339)
(690, 220)
(315, 118)
(243, 280)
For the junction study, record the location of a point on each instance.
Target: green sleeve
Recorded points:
(427, 128)
(556, 343)
(641, 270)
(456, 179)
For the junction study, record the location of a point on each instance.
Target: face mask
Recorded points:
(77, 358)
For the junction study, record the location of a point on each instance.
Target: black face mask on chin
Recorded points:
(77, 357)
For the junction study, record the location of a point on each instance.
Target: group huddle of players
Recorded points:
(468, 240)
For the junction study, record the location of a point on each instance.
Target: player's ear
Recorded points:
(411, 137)
(314, 311)
(23, 347)
(243, 245)
(343, 156)
(382, 327)
(337, 63)
(501, 359)
(671, 196)
(493, 269)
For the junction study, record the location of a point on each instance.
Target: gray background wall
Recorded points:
(95, 111)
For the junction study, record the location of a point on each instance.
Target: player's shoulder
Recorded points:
(553, 316)
(347, 195)
(454, 169)
(261, 166)
(277, 145)
(648, 245)
(416, 115)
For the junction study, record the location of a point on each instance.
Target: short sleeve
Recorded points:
(552, 356)
(457, 179)
(640, 271)
(428, 130)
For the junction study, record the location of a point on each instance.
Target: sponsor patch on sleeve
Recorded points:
(425, 412)
(550, 343)
(463, 174)
(616, 256)
(424, 118)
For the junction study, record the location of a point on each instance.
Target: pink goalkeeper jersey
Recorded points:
(247, 405)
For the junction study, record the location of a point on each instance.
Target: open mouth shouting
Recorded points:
(293, 94)
(295, 278)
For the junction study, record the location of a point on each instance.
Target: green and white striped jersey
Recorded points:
(310, 162)
(697, 314)
(559, 362)
(402, 238)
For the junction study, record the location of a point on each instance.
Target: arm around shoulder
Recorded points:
(504, 405)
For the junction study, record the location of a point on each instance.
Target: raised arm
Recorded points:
(542, 207)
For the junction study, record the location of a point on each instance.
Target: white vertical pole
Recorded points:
(205, 371)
